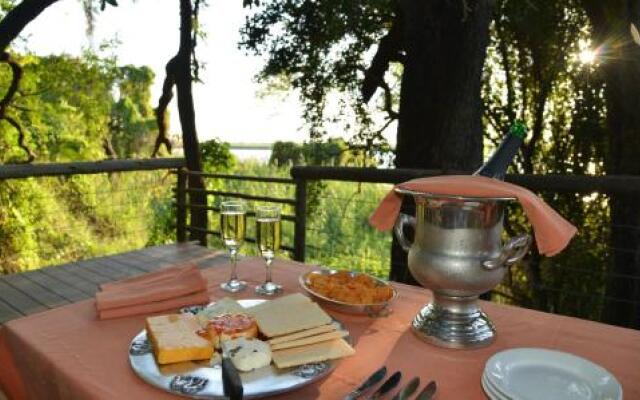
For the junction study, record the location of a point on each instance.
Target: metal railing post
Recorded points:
(181, 206)
(299, 236)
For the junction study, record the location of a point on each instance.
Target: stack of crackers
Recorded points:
(299, 331)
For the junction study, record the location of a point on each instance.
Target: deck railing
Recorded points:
(60, 212)
(587, 288)
(545, 294)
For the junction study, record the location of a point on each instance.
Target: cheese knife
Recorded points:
(387, 386)
(408, 390)
(428, 392)
(370, 382)
(231, 382)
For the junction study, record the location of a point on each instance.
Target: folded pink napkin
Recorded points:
(165, 289)
(551, 230)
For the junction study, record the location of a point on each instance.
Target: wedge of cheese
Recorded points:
(247, 354)
(174, 339)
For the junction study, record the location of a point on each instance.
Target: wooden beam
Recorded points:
(555, 183)
(16, 171)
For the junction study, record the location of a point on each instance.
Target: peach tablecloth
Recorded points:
(67, 353)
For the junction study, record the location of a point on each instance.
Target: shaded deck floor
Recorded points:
(50, 287)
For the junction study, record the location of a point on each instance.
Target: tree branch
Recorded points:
(161, 110)
(506, 65)
(30, 154)
(108, 149)
(14, 22)
(388, 100)
(16, 70)
(538, 125)
(389, 50)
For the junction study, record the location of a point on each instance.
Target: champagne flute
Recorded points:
(232, 227)
(268, 240)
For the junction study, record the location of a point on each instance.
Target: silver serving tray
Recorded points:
(372, 310)
(199, 380)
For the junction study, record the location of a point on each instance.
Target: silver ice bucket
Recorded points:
(458, 253)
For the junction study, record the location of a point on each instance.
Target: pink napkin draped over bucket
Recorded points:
(552, 231)
(162, 290)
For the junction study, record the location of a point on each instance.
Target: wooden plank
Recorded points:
(57, 286)
(34, 291)
(72, 279)
(114, 262)
(134, 261)
(19, 300)
(106, 268)
(213, 261)
(77, 268)
(41, 294)
(177, 253)
(7, 313)
(88, 167)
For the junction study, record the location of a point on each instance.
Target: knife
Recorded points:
(428, 391)
(231, 382)
(387, 386)
(370, 382)
(408, 390)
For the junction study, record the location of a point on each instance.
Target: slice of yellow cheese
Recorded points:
(174, 339)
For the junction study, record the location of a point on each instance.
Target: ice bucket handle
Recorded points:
(511, 253)
(398, 229)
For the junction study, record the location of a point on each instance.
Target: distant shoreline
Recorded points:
(251, 146)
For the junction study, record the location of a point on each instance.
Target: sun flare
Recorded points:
(587, 56)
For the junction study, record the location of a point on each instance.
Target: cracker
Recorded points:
(318, 352)
(310, 340)
(302, 334)
(287, 315)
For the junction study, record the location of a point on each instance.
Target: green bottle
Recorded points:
(499, 161)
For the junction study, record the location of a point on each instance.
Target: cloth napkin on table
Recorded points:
(162, 290)
(551, 230)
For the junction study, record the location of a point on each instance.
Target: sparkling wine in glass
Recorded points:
(268, 240)
(233, 220)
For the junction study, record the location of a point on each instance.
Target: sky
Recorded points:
(227, 106)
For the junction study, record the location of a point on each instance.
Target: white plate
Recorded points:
(535, 374)
(491, 391)
(201, 381)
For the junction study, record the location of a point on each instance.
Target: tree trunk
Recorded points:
(188, 120)
(440, 123)
(620, 66)
(440, 119)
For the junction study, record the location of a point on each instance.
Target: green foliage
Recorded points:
(66, 106)
(69, 105)
(321, 48)
(532, 73)
(47, 221)
(216, 156)
(286, 154)
(338, 234)
(132, 121)
(330, 152)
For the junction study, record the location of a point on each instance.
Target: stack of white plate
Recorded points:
(540, 374)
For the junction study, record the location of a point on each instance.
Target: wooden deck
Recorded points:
(34, 291)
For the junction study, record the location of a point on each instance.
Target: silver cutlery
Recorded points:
(408, 390)
(387, 386)
(370, 382)
(428, 391)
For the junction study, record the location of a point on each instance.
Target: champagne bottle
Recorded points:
(497, 165)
